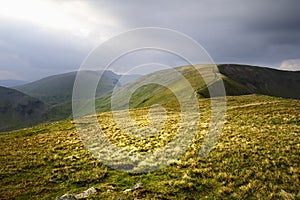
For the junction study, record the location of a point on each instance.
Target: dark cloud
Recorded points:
(254, 32)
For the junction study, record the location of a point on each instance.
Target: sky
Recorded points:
(39, 38)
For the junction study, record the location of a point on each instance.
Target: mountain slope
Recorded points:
(262, 80)
(237, 79)
(58, 88)
(19, 110)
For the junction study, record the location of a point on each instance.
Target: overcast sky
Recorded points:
(42, 37)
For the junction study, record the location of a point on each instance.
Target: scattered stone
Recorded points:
(136, 186)
(86, 193)
(127, 190)
(81, 195)
(67, 197)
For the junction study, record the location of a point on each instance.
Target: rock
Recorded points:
(67, 197)
(136, 186)
(86, 193)
(81, 195)
(127, 190)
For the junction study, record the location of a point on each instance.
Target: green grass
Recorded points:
(257, 157)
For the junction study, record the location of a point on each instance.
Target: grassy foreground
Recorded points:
(257, 156)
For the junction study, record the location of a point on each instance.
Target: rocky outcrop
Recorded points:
(81, 195)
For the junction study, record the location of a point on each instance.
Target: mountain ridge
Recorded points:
(12, 83)
(238, 80)
(58, 88)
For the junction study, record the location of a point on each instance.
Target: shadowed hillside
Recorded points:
(19, 110)
(245, 79)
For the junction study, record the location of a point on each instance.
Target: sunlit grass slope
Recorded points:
(257, 157)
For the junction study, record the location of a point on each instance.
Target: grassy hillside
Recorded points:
(58, 88)
(153, 93)
(18, 110)
(257, 157)
(237, 79)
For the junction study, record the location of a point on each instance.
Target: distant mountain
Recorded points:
(58, 88)
(12, 83)
(19, 110)
(124, 79)
(56, 92)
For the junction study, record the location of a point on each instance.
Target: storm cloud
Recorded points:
(254, 32)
